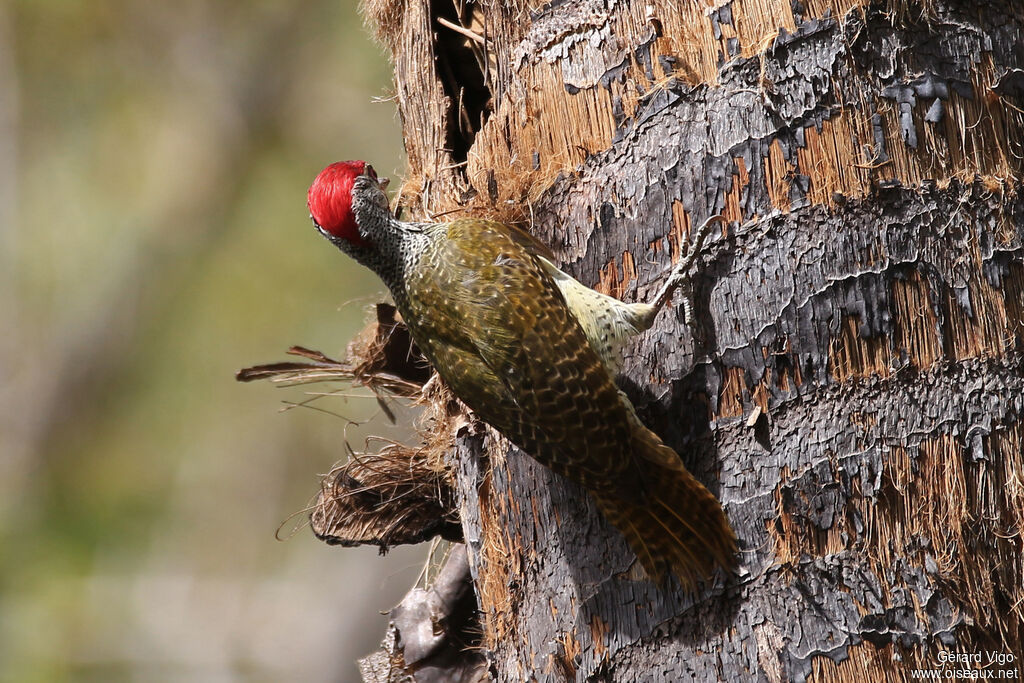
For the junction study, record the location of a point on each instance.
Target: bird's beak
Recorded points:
(381, 182)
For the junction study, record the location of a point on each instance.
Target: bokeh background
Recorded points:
(154, 238)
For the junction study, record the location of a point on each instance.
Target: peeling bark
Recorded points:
(432, 637)
(854, 392)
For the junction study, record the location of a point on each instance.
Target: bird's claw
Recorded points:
(681, 278)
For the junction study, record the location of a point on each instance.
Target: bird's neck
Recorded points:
(395, 246)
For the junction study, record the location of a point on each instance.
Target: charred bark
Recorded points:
(854, 393)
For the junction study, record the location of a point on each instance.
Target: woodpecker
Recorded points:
(534, 353)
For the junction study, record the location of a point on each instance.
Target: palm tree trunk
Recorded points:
(853, 388)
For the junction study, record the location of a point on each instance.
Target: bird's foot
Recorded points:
(681, 277)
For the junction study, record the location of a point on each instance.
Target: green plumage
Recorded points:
(488, 316)
(483, 304)
(534, 353)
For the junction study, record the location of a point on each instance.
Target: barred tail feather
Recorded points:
(678, 524)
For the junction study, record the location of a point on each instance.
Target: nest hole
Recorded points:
(462, 56)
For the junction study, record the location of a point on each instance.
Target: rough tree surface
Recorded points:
(855, 390)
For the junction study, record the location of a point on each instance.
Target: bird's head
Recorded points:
(336, 195)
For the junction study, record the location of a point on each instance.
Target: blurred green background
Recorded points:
(154, 159)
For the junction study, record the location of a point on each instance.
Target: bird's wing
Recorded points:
(530, 243)
(528, 369)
